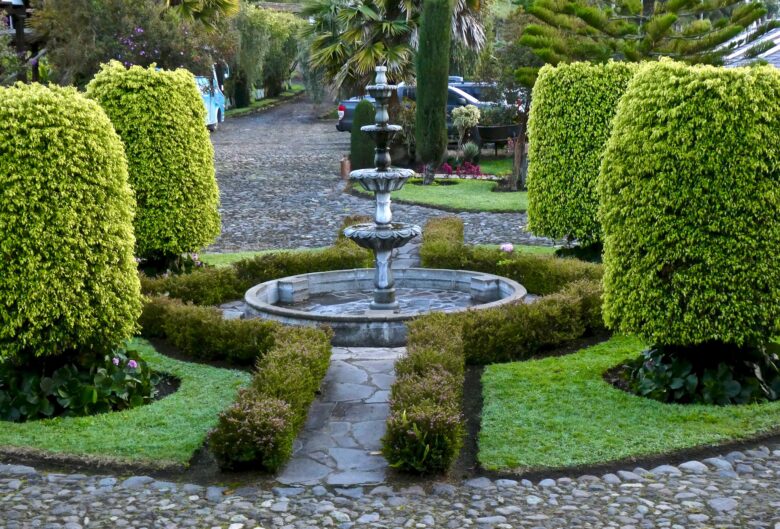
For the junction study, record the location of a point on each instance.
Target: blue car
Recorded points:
(213, 99)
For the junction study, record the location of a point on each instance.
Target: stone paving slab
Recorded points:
(341, 440)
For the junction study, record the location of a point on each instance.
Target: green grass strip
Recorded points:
(260, 104)
(559, 412)
(497, 166)
(221, 260)
(164, 433)
(465, 195)
(525, 248)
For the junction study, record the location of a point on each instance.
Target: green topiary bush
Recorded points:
(690, 207)
(160, 118)
(570, 122)
(361, 146)
(68, 281)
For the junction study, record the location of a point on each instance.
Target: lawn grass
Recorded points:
(496, 166)
(559, 412)
(164, 433)
(220, 260)
(525, 248)
(465, 195)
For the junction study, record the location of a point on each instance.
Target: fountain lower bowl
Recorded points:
(299, 301)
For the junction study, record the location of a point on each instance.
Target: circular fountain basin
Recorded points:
(340, 299)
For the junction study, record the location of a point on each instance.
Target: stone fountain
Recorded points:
(339, 298)
(383, 235)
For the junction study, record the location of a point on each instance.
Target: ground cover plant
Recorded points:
(692, 240)
(159, 115)
(459, 194)
(570, 123)
(162, 434)
(558, 412)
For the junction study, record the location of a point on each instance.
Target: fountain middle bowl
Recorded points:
(340, 299)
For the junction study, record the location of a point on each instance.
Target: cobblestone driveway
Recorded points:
(279, 180)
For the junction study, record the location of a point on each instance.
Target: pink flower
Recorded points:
(132, 364)
(115, 361)
(507, 247)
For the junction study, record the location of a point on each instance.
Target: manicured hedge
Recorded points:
(212, 286)
(68, 283)
(690, 206)
(570, 123)
(258, 431)
(425, 427)
(541, 274)
(161, 119)
(203, 333)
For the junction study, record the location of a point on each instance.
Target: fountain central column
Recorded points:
(383, 235)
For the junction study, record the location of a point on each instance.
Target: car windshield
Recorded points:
(470, 99)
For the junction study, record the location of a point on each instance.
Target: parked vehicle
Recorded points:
(213, 99)
(455, 98)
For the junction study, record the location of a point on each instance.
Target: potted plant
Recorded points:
(498, 124)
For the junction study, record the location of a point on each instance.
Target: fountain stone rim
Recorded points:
(256, 303)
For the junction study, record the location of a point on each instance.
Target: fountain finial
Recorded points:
(383, 235)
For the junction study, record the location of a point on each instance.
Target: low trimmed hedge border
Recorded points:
(215, 285)
(426, 424)
(443, 247)
(258, 431)
(163, 434)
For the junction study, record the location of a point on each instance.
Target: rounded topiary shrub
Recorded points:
(361, 146)
(68, 281)
(161, 119)
(570, 122)
(691, 216)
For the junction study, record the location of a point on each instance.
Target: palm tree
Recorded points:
(208, 12)
(350, 37)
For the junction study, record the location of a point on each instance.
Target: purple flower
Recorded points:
(115, 361)
(132, 364)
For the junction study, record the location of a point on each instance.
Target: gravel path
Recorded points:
(739, 490)
(278, 174)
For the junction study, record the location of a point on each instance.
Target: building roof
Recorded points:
(765, 48)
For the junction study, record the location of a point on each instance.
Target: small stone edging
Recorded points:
(739, 489)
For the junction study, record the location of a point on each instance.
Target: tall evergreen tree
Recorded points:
(688, 30)
(433, 63)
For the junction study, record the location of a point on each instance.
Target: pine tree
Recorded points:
(688, 30)
(433, 61)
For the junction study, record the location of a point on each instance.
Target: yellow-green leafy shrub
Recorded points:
(691, 208)
(161, 120)
(570, 122)
(68, 281)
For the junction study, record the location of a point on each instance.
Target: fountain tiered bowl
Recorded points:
(370, 307)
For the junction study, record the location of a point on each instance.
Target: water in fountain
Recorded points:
(383, 235)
